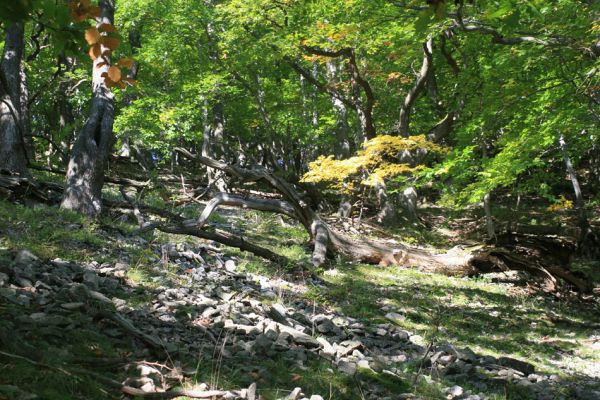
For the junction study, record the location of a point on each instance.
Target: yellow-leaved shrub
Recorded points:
(377, 161)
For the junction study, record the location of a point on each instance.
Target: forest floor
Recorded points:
(87, 308)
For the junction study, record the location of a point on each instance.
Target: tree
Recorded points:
(13, 155)
(85, 173)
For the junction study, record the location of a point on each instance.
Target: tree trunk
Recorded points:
(489, 222)
(85, 173)
(586, 237)
(342, 143)
(13, 156)
(413, 93)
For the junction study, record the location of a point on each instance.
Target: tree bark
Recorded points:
(489, 222)
(586, 236)
(415, 91)
(85, 173)
(13, 155)
(342, 142)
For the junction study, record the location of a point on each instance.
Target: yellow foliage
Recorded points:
(373, 164)
(562, 204)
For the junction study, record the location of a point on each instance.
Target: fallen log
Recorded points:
(327, 240)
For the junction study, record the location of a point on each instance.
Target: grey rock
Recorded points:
(91, 280)
(347, 367)
(393, 316)
(455, 391)
(521, 366)
(72, 306)
(295, 394)
(3, 279)
(418, 340)
(26, 257)
(8, 293)
(316, 397)
(583, 393)
(327, 349)
(278, 313)
(230, 265)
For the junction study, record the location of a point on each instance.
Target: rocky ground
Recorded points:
(200, 323)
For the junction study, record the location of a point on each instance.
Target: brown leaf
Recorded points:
(94, 12)
(131, 82)
(110, 42)
(114, 73)
(125, 62)
(105, 27)
(95, 51)
(92, 35)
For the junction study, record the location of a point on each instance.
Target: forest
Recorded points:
(300, 199)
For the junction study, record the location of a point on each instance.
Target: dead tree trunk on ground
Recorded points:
(326, 240)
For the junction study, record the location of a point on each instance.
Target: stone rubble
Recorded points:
(250, 315)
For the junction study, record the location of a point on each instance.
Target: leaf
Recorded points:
(95, 51)
(92, 35)
(114, 73)
(125, 62)
(110, 42)
(423, 20)
(94, 12)
(129, 81)
(101, 64)
(106, 27)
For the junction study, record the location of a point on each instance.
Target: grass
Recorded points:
(484, 316)
(490, 318)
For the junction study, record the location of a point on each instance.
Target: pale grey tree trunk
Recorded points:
(315, 110)
(415, 91)
(489, 222)
(89, 155)
(387, 213)
(26, 115)
(584, 224)
(342, 142)
(13, 155)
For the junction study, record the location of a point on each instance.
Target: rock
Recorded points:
(347, 367)
(295, 394)
(146, 370)
(582, 393)
(328, 349)
(521, 366)
(364, 364)
(316, 397)
(278, 313)
(325, 326)
(395, 316)
(91, 280)
(455, 391)
(24, 282)
(230, 265)
(262, 341)
(25, 257)
(347, 347)
(8, 293)
(3, 279)
(418, 340)
(299, 337)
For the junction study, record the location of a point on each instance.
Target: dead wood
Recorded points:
(17, 187)
(225, 238)
(326, 240)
